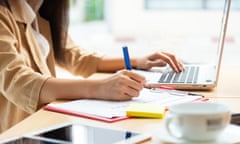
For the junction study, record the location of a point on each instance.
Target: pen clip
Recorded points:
(174, 92)
(170, 91)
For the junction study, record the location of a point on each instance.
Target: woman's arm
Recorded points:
(108, 64)
(122, 85)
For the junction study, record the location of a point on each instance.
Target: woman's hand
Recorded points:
(123, 85)
(159, 59)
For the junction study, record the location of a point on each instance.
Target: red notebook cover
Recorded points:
(96, 117)
(85, 115)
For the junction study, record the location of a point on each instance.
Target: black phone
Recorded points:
(235, 119)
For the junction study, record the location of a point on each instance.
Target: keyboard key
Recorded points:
(191, 75)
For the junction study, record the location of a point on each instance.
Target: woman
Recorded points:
(33, 39)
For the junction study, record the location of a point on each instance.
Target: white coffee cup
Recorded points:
(197, 121)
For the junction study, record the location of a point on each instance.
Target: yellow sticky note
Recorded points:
(146, 110)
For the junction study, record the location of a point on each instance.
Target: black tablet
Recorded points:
(81, 134)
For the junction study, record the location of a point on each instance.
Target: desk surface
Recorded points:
(225, 93)
(228, 85)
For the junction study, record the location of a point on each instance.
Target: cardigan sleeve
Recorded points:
(20, 84)
(80, 61)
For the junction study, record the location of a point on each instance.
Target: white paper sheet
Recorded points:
(111, 109)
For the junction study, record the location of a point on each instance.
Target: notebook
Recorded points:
(197, 76)
(112, 111)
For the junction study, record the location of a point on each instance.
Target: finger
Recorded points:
(168, 58)
(135, 76)
(132, 80)
(173, 62)
(181, 66)
(130, 93)
(126, 92)
(135, 85)
(162, 56)
(124, 96)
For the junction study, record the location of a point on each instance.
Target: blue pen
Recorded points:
(126, 58)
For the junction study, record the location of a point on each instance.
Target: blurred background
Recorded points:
(187, 28)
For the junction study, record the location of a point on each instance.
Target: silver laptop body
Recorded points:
(199, 77)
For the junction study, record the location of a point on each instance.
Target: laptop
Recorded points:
(195, 76)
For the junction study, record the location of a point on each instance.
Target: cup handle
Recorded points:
(168, 122)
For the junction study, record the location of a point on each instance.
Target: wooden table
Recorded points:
(228, 85)
(227, 92)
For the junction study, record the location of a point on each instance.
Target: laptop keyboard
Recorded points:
(189, 75)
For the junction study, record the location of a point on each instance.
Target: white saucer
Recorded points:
(231, 135)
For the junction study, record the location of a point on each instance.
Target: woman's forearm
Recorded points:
(55, 89)
(108, 64)
(123, 85)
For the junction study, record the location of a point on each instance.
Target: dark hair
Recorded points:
(57, 13)
(4, 3)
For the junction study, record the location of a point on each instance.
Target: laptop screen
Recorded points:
(222, 35)
(202, 34)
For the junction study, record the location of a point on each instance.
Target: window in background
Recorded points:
(187, 4)
(94, 10)
(88, 10)
(147, 25)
